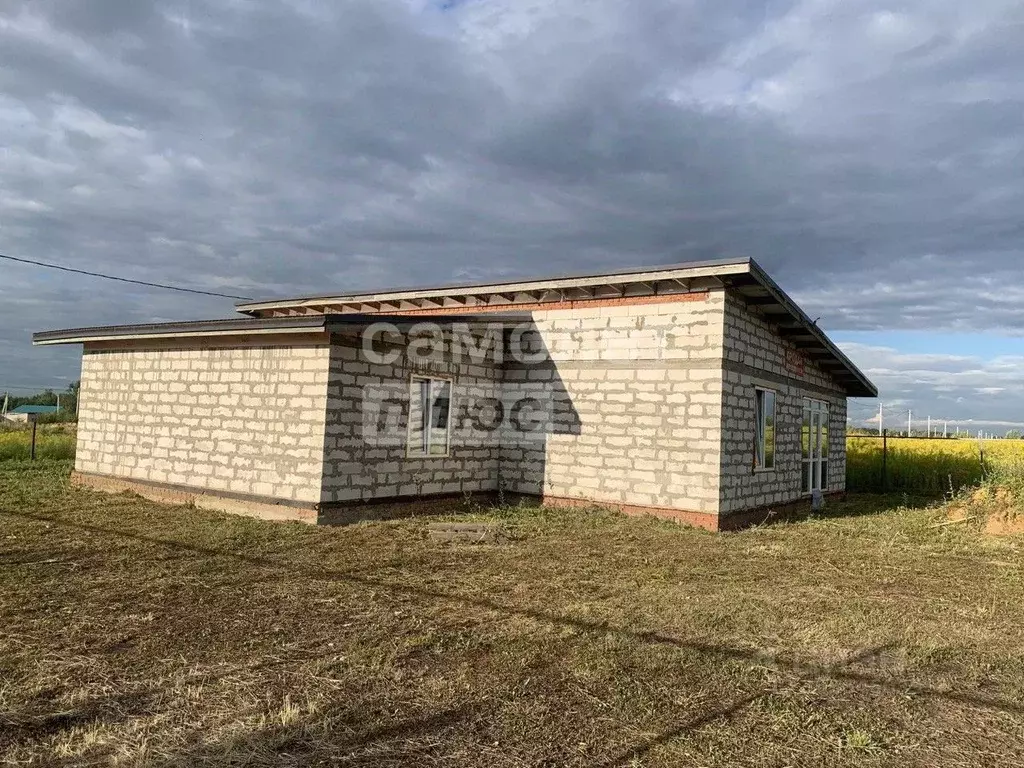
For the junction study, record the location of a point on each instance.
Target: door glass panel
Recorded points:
(814, 448)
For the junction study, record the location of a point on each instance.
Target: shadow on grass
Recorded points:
(42, 718)
(296, 742)
(409, 741)
(640, 750)
(852, 505)
(866, 504)
(841, 672)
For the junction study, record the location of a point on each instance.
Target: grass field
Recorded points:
(913, 465)
(925, 466)
(142, 634)
(53, 441)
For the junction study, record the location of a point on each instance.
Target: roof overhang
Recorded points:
(758, 290)
(504, 302)
(744, 276)
(680, 278)
(197, 328)
(256, 327)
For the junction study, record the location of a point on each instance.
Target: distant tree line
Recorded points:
(67, 399)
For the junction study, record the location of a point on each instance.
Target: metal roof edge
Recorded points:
(252, 306)
(794, 309)
(183, 328)
(250, 325)
(39, 409)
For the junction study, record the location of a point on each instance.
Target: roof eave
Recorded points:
(863, 387)
(251, 326)
(201, 328)
(720, 267)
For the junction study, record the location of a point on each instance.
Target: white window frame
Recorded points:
(818, 464)
(412, 452)
(760, 429)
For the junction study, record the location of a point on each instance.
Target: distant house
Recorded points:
(23, 412)
(698, 392)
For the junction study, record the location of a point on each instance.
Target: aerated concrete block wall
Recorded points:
(366, 448)
(756, 356)
(242, 419)
(639, 388)
(650, 404)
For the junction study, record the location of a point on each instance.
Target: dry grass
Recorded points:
(141, 634)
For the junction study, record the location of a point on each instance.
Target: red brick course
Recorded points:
(543, 306)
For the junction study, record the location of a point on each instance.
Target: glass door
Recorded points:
(814, 442)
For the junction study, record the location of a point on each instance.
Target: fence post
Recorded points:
(885, 460)
(33, 438)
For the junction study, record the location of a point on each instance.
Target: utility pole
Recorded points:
(879, 419)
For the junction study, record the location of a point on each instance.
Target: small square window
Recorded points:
(430, 406)
(764, 429)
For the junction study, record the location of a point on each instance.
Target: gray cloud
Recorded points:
(869, 155)
(953, 390)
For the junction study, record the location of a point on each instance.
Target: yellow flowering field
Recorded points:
(55, 441)
(923, 465)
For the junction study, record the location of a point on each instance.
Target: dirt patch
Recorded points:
(1006, 522)
(995, 510)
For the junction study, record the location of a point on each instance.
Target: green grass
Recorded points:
(915, 466)
(919, 465)
(136, 633)
(53, 442)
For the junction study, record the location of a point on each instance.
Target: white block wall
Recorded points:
(247, 420)
(755, 356)
(655, 408)
(360, 464)
(641, 385)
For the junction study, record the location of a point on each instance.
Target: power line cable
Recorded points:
(123, 279)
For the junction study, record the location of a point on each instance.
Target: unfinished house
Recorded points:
(698, 392)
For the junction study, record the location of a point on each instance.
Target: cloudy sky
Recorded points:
(868, 154)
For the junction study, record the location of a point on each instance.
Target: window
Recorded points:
(764, 429)
(814, 442)
(430, 406)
